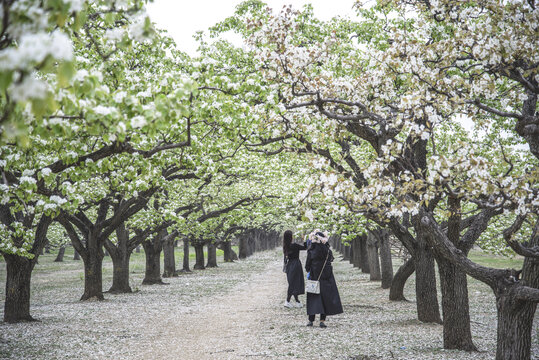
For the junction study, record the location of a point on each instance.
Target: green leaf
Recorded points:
(66, 70)
(6, 77)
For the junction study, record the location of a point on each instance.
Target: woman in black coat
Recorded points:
(328, 302)
(294, 272)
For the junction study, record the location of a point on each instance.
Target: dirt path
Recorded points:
(227, 326)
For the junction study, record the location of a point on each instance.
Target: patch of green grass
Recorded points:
(494, 261)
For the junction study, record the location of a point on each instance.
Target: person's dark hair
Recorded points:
(287, 240)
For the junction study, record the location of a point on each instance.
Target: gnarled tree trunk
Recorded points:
(93, 267)
(169, 260)
(17, 304)
(120, 256)
(212, 254)
(396, 291)
(428, 310)
(199, 255)
(60, 255)
(228, 254)
(152, 249)
(455, 307)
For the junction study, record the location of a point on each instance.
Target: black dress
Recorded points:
(294, 272)
(328, 301)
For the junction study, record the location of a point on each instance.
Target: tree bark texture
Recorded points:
(428, 310)
(17, 303)
(199, 256)
(455, 307)
(385, 259)
(516, 313)
(374, 261)
(93, 268)
(120, 255)
(169, 259)
(185, 265)
(356, 252)
(364, 255)
(152, 249)
(212, 254)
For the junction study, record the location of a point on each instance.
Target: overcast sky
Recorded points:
(182, 18)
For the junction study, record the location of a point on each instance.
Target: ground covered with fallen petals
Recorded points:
(234, 311)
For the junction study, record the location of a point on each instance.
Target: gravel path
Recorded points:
(226, 326)
(234, 311)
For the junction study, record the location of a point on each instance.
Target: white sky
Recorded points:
(182, 18)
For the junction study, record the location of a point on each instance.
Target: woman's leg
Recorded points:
(311, 318)
(289, 297)
(322, 319)
(295, 297)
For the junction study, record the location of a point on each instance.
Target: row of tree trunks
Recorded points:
(253, 240)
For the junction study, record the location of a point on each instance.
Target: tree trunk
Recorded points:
(120, 255)
(428, 310)
(227, 251)
(17, 303)
(346, 253)
(396, 291)
(242, 251)
(212, 255)
(199, 254)
(515, 323)
(185, 266)
(60, 256)
(152, 249)
(515, 317)
(385, 259)
(356, 252)
(374, 260)
(120, 277)
(76, 255)
(169, 261)
(137, 250)
(455, 307)
(363, 253)
(93, 268)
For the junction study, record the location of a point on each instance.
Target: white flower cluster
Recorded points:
(34, 48)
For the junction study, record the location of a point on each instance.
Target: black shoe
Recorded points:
(310, 323)
(322, 325)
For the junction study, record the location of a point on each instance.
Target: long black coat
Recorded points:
(294, 271)
(328, 301)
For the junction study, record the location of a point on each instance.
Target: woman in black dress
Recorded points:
(328, 302)
(294, 272)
